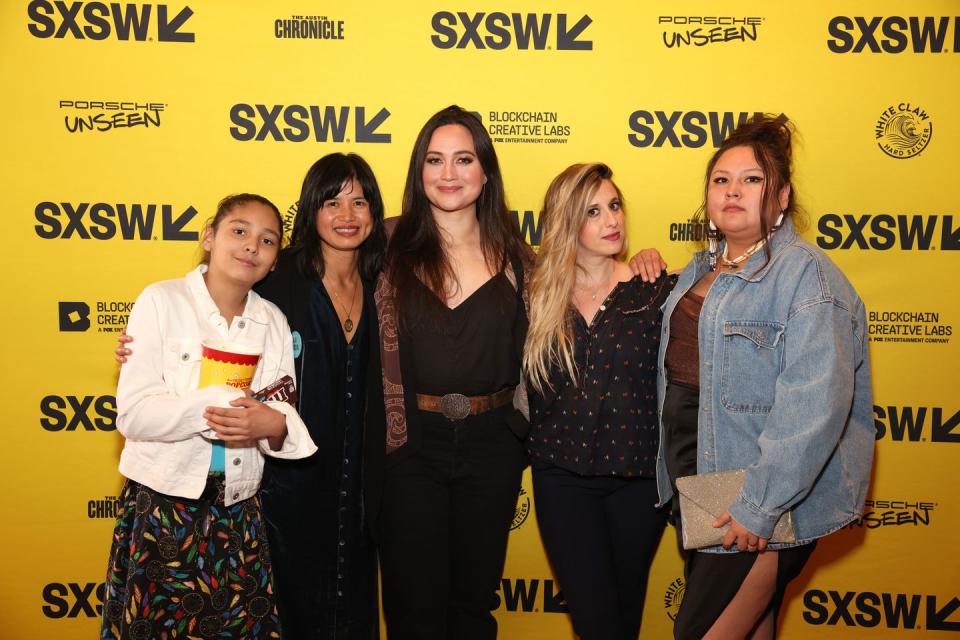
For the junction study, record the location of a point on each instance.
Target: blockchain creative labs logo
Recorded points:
(526, 126)
(699, 31)
(903, 131)
(673, 597)
(894, 513)
(125, 21)
(522, 512)
(917, 326)
(111, 315)
(80, 116)
(308, 28)
(74, 316)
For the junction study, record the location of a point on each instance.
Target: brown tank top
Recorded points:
(683, 351)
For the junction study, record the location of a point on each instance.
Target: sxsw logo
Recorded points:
(692, 129)
(98, 21)
(907, 423)
(883, 610)
(78, 413)
(298, 123)
(893, 34)
(522, 595)
(74, 316)
(529, 227)
(73, 599)
(500, 31)
(884, 231)
(103, 221)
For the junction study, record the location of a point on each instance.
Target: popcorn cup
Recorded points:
(228, 363)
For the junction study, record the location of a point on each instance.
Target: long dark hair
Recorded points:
(324, 180)
(416, 251)
(771, 139)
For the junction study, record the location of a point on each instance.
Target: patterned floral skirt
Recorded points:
(182, 568)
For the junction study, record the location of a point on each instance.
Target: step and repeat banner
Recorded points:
(127, 121)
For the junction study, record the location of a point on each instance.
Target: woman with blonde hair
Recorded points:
(590, 361)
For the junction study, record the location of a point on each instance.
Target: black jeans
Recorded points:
(444, 523)
(713, 579)
(601, 534)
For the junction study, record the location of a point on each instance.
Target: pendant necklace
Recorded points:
(597, 289)
(348, 322)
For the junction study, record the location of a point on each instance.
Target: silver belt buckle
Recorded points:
(455, 406)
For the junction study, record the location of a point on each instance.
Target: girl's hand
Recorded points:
(648, 264)
(746, 541)
(121, 352)
(250, 419)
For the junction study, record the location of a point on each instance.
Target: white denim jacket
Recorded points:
(159, 408)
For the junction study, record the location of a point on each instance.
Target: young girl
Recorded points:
(189, 554)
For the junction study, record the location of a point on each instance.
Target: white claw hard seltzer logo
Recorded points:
(522, 511)
(903, 131)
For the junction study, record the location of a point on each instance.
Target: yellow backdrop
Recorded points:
(127, 121)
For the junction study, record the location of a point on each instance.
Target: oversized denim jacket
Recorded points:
(784, 388)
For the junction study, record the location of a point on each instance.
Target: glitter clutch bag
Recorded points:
(704, 497)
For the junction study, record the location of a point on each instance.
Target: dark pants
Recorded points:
(713, 579)
(444, 523)
(601, 534)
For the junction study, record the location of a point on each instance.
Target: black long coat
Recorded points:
(302, 500)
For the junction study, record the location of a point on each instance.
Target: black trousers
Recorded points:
(601, 534)
(444, 523)
(713, 579)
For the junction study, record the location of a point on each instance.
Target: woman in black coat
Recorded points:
(318, 510)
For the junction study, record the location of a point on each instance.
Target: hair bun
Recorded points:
(775, 132)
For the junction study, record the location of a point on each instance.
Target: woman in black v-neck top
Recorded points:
(461, 350)
(452, 326)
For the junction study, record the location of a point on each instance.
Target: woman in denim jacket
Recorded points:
(763, 366)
